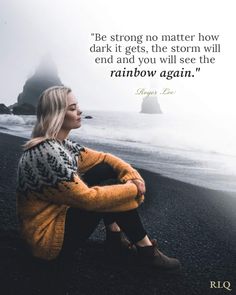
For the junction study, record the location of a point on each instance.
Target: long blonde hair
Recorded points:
(51, 110)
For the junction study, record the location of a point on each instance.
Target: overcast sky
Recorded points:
(30, 28)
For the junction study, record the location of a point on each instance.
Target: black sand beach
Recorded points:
(194, 224)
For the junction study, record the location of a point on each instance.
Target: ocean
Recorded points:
(196, 150)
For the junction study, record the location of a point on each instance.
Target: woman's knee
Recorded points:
(100, 174)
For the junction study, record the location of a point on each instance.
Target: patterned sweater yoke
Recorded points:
(46, 164)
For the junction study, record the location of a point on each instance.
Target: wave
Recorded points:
(163, 138)
(148, 131)
(22, 120)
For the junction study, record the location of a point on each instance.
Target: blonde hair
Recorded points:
(51, 110)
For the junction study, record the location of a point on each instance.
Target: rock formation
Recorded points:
(4, 109)
(150, 105)
(24, 109)
(44, 77)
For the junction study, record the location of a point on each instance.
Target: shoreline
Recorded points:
(195, 224)
(206, 170)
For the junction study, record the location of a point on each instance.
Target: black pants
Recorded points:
(80, 223)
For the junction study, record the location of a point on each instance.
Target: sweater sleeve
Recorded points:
(90, 158)
(117, 197)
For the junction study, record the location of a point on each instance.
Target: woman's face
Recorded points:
(73, 114)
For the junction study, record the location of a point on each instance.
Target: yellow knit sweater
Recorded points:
(49, 182)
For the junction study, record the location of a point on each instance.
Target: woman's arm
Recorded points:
(90, 158)
(119, 197)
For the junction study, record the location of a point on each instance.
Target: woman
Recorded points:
(64, 190)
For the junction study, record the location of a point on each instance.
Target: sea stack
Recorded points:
(150, 105)
(44, 77)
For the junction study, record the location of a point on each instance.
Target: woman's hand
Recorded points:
(140, 186)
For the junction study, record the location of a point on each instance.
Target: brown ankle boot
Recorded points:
(151, 256)
(117, 244)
